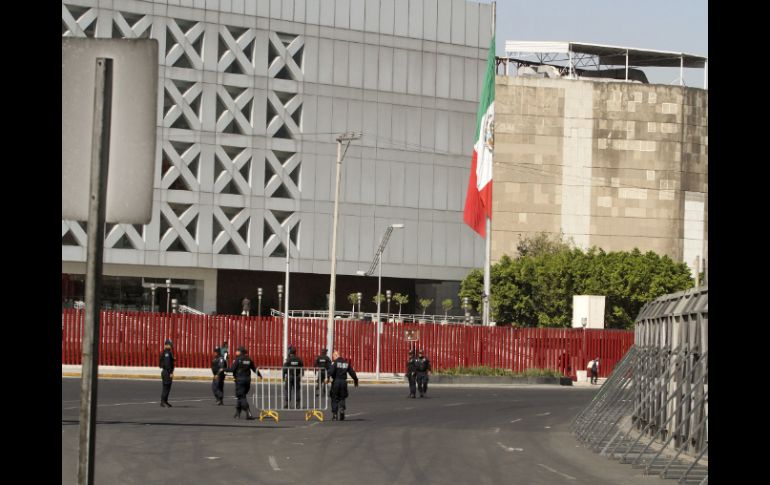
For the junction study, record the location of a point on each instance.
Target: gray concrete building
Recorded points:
(606, 159)
(251, 96)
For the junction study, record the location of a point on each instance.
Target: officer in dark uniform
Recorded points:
(411, 373)
(423, 369)
(241, 369)
(322, 362)
(292, 377)
(218, 367)
(167, 374)
(338, 372)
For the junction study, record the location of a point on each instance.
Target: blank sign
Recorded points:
(133, 126)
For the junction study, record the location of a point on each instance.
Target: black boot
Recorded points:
(342, 415)
(237, 414)
(162, 404)
(220, 402)
(168, 404)
(334, 416)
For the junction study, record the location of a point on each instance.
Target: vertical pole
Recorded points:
(332, 284)
(488, 222)
(100, 150)
(286, 303)
(626, 64)
(379, 323)
(706, 75)
(681, 70)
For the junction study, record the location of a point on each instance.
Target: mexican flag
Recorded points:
(478, 201)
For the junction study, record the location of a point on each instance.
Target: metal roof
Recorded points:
(610, 55)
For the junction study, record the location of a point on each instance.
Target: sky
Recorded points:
(669, 25)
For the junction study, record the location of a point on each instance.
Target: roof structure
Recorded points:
(597, 56)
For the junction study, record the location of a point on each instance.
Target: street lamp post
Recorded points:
(168, 295)
(359, 296)
(280, 296)
(152, 304)
(387, 295)
(259, 302)
(466, 307)
(348, 137)
(378, 262)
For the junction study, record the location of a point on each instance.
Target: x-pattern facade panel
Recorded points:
(251, 96)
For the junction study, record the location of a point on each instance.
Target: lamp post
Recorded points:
(466, 307)
(387, 296)
(359, 296)
(152, 304)
(168, 295)
(378, 262)
(259, 302)
(348, 137)
(280, 296)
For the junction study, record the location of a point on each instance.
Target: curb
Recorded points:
(199, 378)
(501, 380)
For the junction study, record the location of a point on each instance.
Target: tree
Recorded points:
(378, 298)
(424, 304)
(447, 305)
(401, 300)
(353, 299)
(536, 288)
(543, 243)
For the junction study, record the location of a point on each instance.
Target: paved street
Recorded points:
(489, 435)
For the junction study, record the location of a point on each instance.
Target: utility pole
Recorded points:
(348, 137)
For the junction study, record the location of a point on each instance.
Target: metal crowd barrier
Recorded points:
(652, 412)
(275, 394)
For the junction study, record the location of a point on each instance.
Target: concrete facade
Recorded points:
(251, 96)
(611, 164)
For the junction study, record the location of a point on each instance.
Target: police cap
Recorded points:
(217, 350)
(168, 342)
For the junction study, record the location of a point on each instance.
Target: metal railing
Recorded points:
(386, 317)
(291, 389)
(652, 412)
(187, 309)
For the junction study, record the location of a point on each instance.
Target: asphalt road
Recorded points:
(457, 435)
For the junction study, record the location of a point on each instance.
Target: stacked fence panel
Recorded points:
(136, 339)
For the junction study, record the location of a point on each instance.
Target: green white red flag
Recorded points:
(478, 200)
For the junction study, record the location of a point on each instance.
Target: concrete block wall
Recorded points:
(616, 165)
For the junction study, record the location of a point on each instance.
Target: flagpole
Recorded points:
(488, 252)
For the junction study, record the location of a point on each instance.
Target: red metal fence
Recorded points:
(136, 339)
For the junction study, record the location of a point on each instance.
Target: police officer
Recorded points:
(167, 374)
(292, 377)
(339, 371)
(411, 373)
(241, 369)
(218, 367)
(322, 362)
(423, 369)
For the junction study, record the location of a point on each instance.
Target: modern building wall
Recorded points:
(251, 96)
(610, 164)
